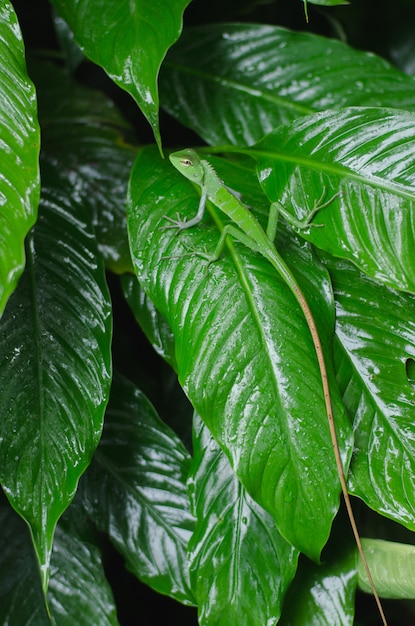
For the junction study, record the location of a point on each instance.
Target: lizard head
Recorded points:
(189, 164)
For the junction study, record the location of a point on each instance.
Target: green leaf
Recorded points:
(366, 155)
(21, 598)
(135, 490)
(93, 155)
(240, 565)
(323, 595)
(20, 141)
(129, 40)
(78, 590)
(244, 352)
(328, 3)
(375, 329)
(234, 83)
(392, 567)
(55, 366)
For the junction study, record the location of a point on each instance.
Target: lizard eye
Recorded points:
(186, 162)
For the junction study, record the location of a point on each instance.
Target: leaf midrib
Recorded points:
(246, 286)
(281, 103)
(335, 169)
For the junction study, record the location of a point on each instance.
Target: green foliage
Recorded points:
(137, 36)
(19, 183)
(229, 524)
(282, 469)
(243, 521)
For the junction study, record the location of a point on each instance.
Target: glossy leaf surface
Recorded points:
(366, 155)
(129, 40)
(244, 352)
(78, 591)
(135, 490)
(55, 366)
(21, 598)
(94, 155)
(323, 595)
(240, 565)
(19, 137)
(234, 83)
(376, 330)
(78, 588)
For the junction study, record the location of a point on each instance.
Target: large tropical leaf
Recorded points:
(233, 83)
(323, 595)
(21, 598)
(240, 565)
(94, 153)
(135, 490)
(79, 591)
(244, 352)
(55, 366)
(392, 567)
(376, 338)
(129, 40)
(19, 137)
(366, 155)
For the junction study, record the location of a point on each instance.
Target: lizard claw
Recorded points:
(178, 223)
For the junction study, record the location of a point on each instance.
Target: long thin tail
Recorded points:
(326, 390)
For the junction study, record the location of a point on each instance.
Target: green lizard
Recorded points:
(247, 230)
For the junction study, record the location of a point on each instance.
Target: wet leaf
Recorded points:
(244, 351)
(323, 595)
(129, 40)
(93, 156)
(21, 598)
(367, 156)
(20, 141)
(135, 490)
(79, 591)
(55, 366)
(240, 565)
(234, 83)
(376, 335)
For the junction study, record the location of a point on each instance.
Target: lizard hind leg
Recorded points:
(318, 205)
(306, 222)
